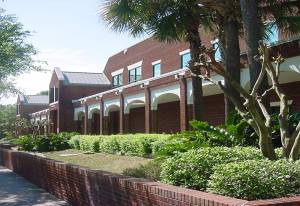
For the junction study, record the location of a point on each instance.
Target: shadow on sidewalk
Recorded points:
(17, 191)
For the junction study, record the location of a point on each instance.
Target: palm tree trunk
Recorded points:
(232, 61)
(195, 48)
(253, 35)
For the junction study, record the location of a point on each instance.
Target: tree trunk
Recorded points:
(232, 61)
(195, 47)
(253, 34)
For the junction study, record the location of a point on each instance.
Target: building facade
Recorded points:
(147, 88)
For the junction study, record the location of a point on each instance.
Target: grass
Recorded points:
(105, 162)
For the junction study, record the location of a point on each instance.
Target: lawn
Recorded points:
(106, 162)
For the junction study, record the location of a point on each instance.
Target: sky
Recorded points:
(68, 34)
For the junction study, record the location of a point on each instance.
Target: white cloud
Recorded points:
(66, 59)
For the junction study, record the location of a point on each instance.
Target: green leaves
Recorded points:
(130, 144)
(192, 169)
(15, 53)
(256, 179)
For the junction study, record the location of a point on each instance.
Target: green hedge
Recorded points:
(44, 143)
(131, 144)
(256, 179)
(192, 169)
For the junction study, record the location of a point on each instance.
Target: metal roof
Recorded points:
(34, 99)
(81, 78)
(84, 78)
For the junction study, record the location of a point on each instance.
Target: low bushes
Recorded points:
(136, 145)
(254, 179)
(44, 143)
(192, 169)
(149, 171)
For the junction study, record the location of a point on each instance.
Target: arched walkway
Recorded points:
(94, 121)
(113, 119)
(80, 122)
(168, 113)
(136, 116)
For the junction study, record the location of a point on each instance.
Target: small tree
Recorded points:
(15, 53)
(251, 105)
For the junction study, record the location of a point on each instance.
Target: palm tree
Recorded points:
(279, 13)
(168, 20)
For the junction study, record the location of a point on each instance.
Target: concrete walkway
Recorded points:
(16, 191)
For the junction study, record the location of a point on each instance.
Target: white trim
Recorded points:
(277, 104)
(155, 94)
(140, 82)
(184, 52)
(117, 72)
(108, 104)
(53, 103)
(91, 108)
(156, 62)
(135, 65)
(132, 98)
(78, 110)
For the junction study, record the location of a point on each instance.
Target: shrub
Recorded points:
(192, 169)
(44, 143)
(89, 143)
(109, 145)
(74, 142)
(256, 179)
(150, 171)
(25, 143)
(137, 144)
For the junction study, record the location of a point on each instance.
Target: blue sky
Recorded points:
(68, 34)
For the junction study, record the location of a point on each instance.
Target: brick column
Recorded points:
(154, 128)
(147, 110)
(183, 105)
(86, 119)
(126, 123)
(101, 117)
(121, 119)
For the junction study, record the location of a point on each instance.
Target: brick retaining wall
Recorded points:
(82, 186)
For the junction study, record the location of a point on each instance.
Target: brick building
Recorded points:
(147, 88)
(28, 104)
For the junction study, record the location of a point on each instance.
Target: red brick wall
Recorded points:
(26, 109)
(84, 187)
(168, 117)
(137, 120)
(214, 109)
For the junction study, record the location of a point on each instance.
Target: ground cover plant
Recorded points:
(100, 161)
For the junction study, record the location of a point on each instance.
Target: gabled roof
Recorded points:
(81, 78)
(34, 99)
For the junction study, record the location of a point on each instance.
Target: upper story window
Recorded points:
(156, 71)
(135, 74)
(185, 57)
(53, 94)
(117, 80)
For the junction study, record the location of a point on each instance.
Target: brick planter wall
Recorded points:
(82, 186)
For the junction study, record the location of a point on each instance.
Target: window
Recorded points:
(135, 74)
(156, 70)
(216, 47)
(185, 58)
(272, 33)
(117, 80)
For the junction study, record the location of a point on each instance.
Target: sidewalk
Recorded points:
(16, 191)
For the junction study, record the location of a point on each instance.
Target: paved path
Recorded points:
(16, 191)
